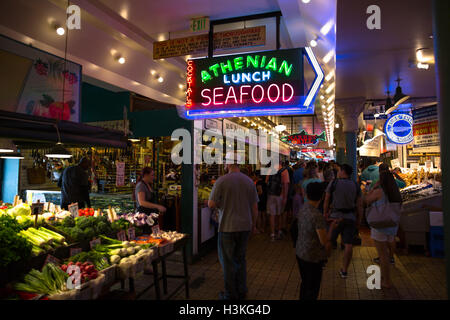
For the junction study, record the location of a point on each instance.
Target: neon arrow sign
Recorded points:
(251, 84)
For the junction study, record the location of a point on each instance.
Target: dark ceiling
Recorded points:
(369, 61)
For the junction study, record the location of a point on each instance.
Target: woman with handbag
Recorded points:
(383, 217)
(146, 198)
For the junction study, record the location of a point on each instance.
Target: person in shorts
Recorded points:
(343, 202)
(277, 192)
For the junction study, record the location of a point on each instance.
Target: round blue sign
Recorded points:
(398, 128)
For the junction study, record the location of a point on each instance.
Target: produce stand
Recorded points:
(178, 245)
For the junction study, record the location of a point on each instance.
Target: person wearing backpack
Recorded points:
(277, 192)
(343, 202)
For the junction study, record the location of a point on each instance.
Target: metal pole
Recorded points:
(441, 35)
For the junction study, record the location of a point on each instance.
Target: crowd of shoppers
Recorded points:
(317, 202)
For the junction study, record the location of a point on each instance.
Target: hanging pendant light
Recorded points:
(7, 146)
(58, 151)
(399, 97)
(12, 155)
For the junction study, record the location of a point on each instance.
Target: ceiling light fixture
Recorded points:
(330, 99)
(306, 1)
(12, 155)
(160, 79)
(330, 88)
(280, 127)
(121, 60)
(58, 151)
(329, 76)
(153, 72)
(328, 56)
(327, 27)
(6, 146)
(60, 30)
(421, 65)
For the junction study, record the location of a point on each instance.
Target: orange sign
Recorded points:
(247, 37)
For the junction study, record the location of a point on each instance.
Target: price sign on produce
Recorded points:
(121, 236)
(94, 242)
(51, 259)
(131, 232)
(73, 209)
(155, 230)
(75, 251)
(37, 208)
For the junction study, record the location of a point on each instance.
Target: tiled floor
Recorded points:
(273, 275)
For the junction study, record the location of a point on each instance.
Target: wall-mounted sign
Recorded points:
(199, 24)
(304, 138)
(32, 82)
(231, 39)
(426, 129)
(251, 84)
(398, 128)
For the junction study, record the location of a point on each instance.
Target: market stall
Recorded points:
(93, 248)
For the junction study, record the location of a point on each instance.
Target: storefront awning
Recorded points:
(24, 127)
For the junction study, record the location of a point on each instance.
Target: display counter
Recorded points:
(418, 201)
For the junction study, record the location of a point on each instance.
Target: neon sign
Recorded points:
(304, 139)
(399, 128)
(252, 84)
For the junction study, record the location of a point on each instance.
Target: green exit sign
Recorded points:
(199, 24)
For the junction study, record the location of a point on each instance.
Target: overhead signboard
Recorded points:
(426, 129)
(398, 128)
(248, 37)
(304, 139)
(251, 84)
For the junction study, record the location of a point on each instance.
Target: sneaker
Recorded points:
(343, 274)
(272, 237)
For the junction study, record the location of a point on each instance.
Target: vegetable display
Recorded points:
(42, 239)
(13, 247)
(98, 259)
(141, 219)
(51, 280)
(87, 270)
(85, 228)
